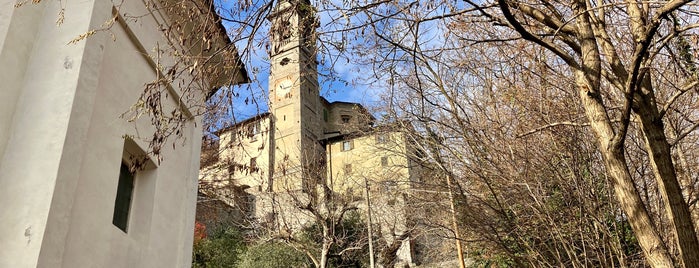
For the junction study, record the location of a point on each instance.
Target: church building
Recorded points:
(304, 143)
(69, 193)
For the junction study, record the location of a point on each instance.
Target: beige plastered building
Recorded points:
(267, 162)
(63, 147)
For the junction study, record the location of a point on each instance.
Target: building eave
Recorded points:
(257, 117)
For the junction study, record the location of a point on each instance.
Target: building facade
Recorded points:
(70, 198)
(270, 163)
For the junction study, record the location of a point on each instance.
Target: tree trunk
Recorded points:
(327, 242)
(624, 189)
(630, 201)
(666, 177)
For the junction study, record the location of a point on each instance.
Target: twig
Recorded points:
(566, 123)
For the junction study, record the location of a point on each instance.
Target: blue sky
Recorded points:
(346, 83)
(349, 79)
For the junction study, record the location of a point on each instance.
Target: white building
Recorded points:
(62, 145)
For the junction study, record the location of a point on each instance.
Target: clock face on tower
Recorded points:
(283, 87)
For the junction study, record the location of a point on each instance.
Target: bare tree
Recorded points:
(612, 70)
(612, 50)
(626, 70)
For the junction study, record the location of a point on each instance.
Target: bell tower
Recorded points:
(294, 95)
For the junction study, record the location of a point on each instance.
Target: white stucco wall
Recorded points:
(43, 84)
(61, 143)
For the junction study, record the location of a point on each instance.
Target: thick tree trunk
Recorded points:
(624, 189)
(666, 177)
(630, 201)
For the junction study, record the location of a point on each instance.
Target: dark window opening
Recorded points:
(348, 168)
(345, 118)
(122, 202)
(231, 168)
(325, 115)
(284, 61)
(285, 28)
(384, 161)
(281, 33)
(253, 165)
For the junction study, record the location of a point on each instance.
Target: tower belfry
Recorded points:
(294, 94)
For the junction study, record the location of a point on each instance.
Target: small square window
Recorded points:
(389, 186)
(346, 145)
(122, 202)
(348, 168)
(381, 138)
(384, 161)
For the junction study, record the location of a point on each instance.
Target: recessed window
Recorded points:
(253, 130)
(281, 32)
(345, 118)
(389, 186)
(325, 115)
(253, 165)
(285, 27)
(384, 161)
(284, 61)
(122, 202)
(231, 167)
(381, 138)
(348, 168)
(346, 145)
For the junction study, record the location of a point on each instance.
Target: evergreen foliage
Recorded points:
(273, 254)
(221, 249)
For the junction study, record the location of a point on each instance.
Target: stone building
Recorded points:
(69, 198)
(268, 162)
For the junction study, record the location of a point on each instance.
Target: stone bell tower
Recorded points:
(294, 96)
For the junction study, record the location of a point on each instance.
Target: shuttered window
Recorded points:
(122, 202)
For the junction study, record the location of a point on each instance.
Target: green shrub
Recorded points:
(273, 254)
(221, 249)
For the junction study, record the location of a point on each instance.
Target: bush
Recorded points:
(273, 254)
(221, 249)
